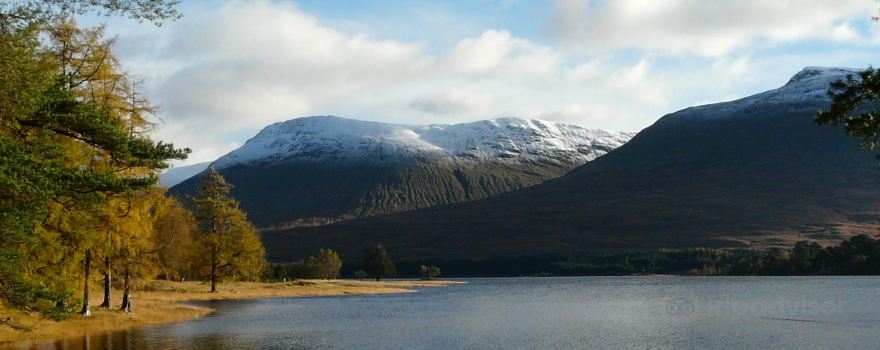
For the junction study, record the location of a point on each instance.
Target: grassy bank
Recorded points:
(161, 302)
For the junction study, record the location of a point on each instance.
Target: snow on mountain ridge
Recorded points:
(810, 86)
(812, 73)
(335, 138)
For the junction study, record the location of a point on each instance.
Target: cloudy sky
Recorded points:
(227, 69)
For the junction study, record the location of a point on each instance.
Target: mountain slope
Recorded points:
(753, 172)
(316, 170)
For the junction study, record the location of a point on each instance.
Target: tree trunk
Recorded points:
(214, 270)
(126, 292)
(86, 310)
(106, 303)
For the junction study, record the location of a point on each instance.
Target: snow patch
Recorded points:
(335, 138)
(810, 86)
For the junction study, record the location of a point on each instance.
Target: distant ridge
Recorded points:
(316, 170)
(330, 138)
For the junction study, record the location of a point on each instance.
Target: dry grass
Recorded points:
(159, 303)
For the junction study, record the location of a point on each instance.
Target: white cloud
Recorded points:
(222, 73)
(498, 52)
(254, 62)
(588, 70)
(638, 81)
(480, 55)
(709, 28)
(454, 102)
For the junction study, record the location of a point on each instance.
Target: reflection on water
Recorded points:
(538, 313)
(135, 339)
(116, 340)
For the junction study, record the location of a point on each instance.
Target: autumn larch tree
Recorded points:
(174, 236)
(326, 264)
(63, 153)
(230, 242)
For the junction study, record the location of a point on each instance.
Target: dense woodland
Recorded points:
(78, 169)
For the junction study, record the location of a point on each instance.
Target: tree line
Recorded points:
(859, 255)
(327, 265)
(78, 169)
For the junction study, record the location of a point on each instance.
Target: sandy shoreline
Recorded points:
(161, 302)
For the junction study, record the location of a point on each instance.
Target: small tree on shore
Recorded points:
(279, 272)
(429, 272)
(326, 264)
(232, 245)
(378, 263)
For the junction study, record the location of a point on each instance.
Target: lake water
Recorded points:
(541, 313)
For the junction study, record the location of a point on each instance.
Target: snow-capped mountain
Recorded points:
(340, 139)
(809, 86)
(322, 169)
(754, 172)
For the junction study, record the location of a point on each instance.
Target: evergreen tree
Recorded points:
(378, 263)
(854, 106)
(279, 272)
(25, 13)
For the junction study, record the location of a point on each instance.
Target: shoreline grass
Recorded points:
(163, 302)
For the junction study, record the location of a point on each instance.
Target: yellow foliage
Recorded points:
(174, 237)
(230, 245)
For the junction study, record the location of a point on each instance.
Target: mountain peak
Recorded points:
(806, 89)
(323, 169)
(821, 73)
(325, 138)
(810, 85)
